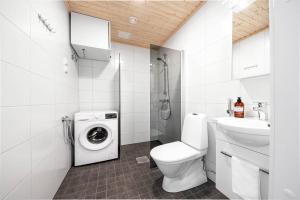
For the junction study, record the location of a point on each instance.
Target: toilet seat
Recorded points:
(174, 153)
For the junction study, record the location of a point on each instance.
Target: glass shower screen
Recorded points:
(165, 95)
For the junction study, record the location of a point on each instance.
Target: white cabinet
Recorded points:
(224, 170)
(226, 147)
(90, 37)
(251, 56)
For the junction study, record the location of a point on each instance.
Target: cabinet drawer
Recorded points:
(223, 169)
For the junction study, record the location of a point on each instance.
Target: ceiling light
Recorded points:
(124, 35)
(132, 20)
(238, 5)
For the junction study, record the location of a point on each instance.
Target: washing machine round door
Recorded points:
(96, 137)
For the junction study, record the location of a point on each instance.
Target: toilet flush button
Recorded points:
(289, 193)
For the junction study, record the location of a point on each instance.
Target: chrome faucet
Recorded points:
(229, 107)
(262, 110)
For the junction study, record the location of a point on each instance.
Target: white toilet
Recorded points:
(182, 162)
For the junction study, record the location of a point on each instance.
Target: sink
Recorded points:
(245, 131)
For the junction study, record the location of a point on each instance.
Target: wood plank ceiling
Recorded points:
(157, 20)
(253, 19)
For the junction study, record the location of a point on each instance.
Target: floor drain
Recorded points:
(142, 159)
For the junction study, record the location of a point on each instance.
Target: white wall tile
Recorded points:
(16, 166)
(34, 88)
(42, 119)
(104, 70)
(15, 126)
(42, 146)
(12, 37)
(15, 86)
(104, 92)
(42, 90)
(104, 106)
(86, 95)
(100, 96)
(104, 85)
(18, 12)
(43, 179)
(40, 62)
(22, 190)
(86, 84)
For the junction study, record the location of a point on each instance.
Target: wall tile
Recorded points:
(12, 37)
(22, 190)
(15, 86)
(34, 88)
(42, 119)
(42, 90)
(40, 62)
(18, 13)
(12, 173)
(42, 146)
(15, 126)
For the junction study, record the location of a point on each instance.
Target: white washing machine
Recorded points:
(96, 137)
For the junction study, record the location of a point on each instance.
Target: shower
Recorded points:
(165, 96)
(165, 109)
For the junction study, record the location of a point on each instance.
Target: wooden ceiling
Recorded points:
(157, 20)
(253, 19)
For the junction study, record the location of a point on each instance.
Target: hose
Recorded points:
(68, 130)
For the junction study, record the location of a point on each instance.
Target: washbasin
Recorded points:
(245, 131)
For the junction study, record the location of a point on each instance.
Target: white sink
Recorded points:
(245, 131)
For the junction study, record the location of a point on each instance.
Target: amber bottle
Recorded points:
(239, 108)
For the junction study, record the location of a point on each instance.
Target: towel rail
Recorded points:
(228, 155)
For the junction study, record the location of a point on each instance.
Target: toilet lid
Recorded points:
(174, 152)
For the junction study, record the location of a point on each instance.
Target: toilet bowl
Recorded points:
(181, 162)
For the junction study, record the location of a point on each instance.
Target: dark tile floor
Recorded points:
(125, 179)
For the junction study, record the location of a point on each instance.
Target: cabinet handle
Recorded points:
(230, 156)
(250, 67)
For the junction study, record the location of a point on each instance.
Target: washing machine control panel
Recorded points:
(110, 115)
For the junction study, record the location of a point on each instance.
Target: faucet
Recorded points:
(262, 110)
(229, 107)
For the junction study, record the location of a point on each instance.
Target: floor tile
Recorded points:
(125, 179)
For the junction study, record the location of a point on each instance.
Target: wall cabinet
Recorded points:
(251, 56)
(90, 37)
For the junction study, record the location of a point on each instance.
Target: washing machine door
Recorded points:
(96, 137)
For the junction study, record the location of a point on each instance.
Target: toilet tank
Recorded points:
(194, 132)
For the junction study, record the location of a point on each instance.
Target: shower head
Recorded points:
(162, 60)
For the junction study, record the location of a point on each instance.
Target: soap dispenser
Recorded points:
(239, 108)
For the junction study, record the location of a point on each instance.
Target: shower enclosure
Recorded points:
(165, 92)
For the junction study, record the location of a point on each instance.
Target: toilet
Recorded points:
(181, 162)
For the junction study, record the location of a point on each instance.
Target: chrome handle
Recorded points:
(230, 156)
(250, 67)
(83, 119)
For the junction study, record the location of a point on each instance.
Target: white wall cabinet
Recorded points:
(251, 56)
(90, 37)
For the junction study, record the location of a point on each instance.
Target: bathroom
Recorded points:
(150, 109)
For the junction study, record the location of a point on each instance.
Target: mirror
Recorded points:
(250, 40)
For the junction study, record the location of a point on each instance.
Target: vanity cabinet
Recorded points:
(90, 37)
(227, 147)
(224, 171)
(251, 56)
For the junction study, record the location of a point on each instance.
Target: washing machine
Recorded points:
(95, 137)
